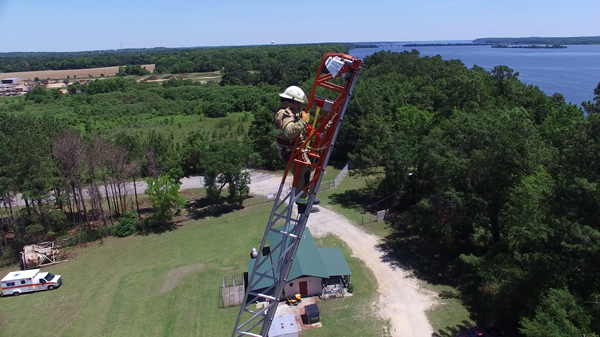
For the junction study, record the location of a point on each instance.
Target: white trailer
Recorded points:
(18, 282)
(10, 81)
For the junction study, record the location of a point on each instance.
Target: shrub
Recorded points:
(127, 225)
(9, 256)
(59, 222)
(165, 198)
(35, 229)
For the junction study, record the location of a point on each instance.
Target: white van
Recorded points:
(18, 282)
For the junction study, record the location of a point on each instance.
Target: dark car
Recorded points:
(477, 332)
(462, 334)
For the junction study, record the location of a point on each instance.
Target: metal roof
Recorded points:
(309, 260)
(265, 282)
(334, 262)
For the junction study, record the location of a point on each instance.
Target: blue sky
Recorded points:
(67, 25)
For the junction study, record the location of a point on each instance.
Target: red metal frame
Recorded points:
(320, 138)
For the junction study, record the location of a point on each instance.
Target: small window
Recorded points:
(292, 284)
(22, 281)
(11, 284)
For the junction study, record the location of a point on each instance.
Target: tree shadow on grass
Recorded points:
(159, 228)
(201, 208)
(155, 228)
(451, 331)
(214, 211)
(358, 199)
(403, 249)
(435, 265)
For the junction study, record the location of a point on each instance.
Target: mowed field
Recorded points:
(169, 285)
(59, 74)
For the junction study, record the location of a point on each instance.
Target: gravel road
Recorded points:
(402, 301)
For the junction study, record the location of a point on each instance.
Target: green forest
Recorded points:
(493, 187)
(176, 61)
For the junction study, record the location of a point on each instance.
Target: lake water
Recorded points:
(573, 72)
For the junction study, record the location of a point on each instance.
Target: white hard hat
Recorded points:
(294, 93)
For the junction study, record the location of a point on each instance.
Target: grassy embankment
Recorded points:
(214, 76)
(168, 284)
(107, 72)
(449, 313)
(181, 125)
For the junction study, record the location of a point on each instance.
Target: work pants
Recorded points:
(305, 174)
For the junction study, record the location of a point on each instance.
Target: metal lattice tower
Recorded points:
(336, 78)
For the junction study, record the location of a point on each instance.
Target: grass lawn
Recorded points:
(449, 316)
(120, 288)
(330, 173)
(341, 201)
(179, 126)
(166, 284)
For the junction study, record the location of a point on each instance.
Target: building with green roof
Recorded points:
(315, 271)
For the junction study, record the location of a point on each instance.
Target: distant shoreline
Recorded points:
(518, 42)
(532, 46)
(415, 45)
(440, 44)
(582, 40)
(501, 45)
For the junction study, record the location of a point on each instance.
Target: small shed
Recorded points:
(314, 272)
(284, 326)
(312, 313)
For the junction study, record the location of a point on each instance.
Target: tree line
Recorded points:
(490, 183)
(34, 62)
(275, 59)
(70, 179)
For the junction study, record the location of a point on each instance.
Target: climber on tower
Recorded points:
(290, 122)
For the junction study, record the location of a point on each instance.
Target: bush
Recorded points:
(59, 222)
(350, 284)
(9, 256)
(35, 229)
(127, 225)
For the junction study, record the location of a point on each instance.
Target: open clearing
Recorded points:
(169, 284)
(59, 74)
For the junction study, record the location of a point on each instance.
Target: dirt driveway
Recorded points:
(402, 300)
